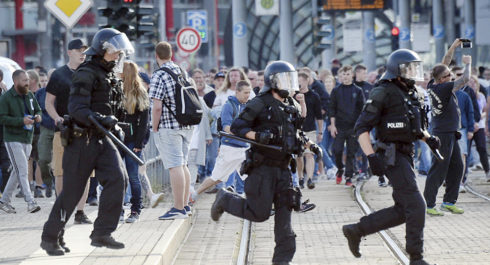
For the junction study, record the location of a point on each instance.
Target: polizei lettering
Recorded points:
(395, 125)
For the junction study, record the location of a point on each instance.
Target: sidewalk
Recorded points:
(452, 238)
(149, 241)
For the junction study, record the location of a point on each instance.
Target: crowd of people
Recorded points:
(34, 110)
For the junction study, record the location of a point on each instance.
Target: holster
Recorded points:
(294, 195)
(390, 152)
(65, 128)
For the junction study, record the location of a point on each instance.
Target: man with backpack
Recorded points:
(172, 98)
(232, 152)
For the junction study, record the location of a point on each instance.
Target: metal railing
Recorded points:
(157, 174)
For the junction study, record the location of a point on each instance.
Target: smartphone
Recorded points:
(466, 43)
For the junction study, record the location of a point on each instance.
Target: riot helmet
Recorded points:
(406, 64)
(282, 77)
(111, 40)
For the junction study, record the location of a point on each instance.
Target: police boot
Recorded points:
(217, 208)
(353, 235)
(52, 248)
(62, 244)
(419, 262)
(105, 241)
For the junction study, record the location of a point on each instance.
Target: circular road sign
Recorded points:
(188, 40)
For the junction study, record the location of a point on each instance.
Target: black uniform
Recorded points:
(95, 89)
(269, 181)
(395, 113)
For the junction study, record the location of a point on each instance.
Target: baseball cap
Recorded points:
(219, 74)
(76, 44)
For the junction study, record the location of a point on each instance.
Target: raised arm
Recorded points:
(449, 54)
(466, 75)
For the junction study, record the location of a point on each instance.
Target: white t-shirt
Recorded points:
(481, 104)
(221, 98)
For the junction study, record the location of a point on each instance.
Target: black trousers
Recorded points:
(481, 146)
(80, 158)
(349, 137)
(263, 186)
(450, 169)
(5, 165)
(409, 207)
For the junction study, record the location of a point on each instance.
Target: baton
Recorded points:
(232, 136)
(116, 140)
(437, 154)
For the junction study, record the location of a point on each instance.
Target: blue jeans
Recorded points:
(425, 156)
(211, 154)
(327, 144)
(235, 181)
(134, 180)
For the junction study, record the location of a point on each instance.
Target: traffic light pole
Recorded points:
(404, 9)
(240, 35)
(286, 32)
(439, 30)
(469, 28)
(369, 51)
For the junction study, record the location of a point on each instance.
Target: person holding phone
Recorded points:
(19, 110)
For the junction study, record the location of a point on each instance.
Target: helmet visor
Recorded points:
(287, 81)
(412, 70)
(119, 42)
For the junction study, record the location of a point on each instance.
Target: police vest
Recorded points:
(401, 119)
(107, 96)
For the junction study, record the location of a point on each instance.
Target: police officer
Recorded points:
(270, 118)
(395, 109)
(95, 92)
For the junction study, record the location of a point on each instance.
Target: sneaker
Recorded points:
(306, 206)
(38, 193)
(310, 184)
(353, 235)
(81, 218)
(49, 191)
(382, 183)
(106, 241)
(121, 216)
(434, 212)
(348, 183)
(188, 210)
(92, 202)
(231, 189)
(20, 194)
(32, 207)
(331, 173)
(338, 176)
(174, 213)
(193, 197)
(362, 177)
(52, 248)
(450, 207)
(302, 183)
(133, 218)
(211, 191)
(156, 199)
(462, 189)
(7, 207)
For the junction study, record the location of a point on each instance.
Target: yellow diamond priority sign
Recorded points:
(68, 11)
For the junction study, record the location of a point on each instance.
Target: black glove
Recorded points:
(433, 142)
(107, 121)
(264, 137)
(317, 151)
(458, 136)
(376, 164)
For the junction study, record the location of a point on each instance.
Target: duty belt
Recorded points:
(391, 148)
(260, 159)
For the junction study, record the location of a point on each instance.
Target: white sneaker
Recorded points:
(32, 207)
(7, 207)
(156, 199)
(331, 173)
(462, 189)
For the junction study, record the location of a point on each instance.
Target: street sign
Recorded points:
(198, 19)
(438, 31)
(370, 36)
(404, 34)
(188, 40)
(68, 11)
(240, 30)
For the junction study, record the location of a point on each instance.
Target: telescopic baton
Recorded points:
(116, 140)
(232, 136)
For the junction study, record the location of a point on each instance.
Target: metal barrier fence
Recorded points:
(157, 173)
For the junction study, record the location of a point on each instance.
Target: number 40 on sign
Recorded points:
(188, 40)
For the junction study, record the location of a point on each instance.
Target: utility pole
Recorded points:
(286, 32)
(45, 36)
(405, 34)
(240, 34)
(439, 30)
(369, 40)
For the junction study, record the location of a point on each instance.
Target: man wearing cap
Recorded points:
(218, 81)
(57, 93)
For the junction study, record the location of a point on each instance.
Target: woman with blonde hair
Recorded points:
(136, 104)
(233, 76)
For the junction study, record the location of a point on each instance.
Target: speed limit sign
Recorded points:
(188, 40)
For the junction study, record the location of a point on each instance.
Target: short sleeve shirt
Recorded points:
(446, 116)
(162, 87)
(59, 86)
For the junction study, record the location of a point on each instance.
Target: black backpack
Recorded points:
(188, 107)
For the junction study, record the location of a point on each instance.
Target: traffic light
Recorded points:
(395, 33)
(121, 15)
(146, 20)
(323, 34)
